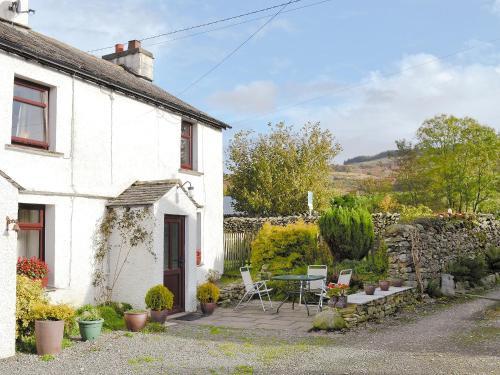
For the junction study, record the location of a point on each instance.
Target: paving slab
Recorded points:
(361, 298)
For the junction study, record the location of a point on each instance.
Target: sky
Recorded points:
(369, 71)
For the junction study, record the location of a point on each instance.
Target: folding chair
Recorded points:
(316, 286)
(252, 288)
(344, 278)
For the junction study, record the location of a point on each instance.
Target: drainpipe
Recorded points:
(72, 157)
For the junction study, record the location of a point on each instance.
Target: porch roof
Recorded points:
(8, 178)
(144, 193)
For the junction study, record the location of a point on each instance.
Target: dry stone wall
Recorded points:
(433, 243)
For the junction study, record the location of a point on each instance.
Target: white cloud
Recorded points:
(255, 97)
(384, 109)
(495, 7)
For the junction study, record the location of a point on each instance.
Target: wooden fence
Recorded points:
(237, 247)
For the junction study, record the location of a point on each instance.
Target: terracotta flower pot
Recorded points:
(135, 321)
(159, 316)
(384, 285)
(208, 307)
(397, 282)
(369, 289)
(49, 336)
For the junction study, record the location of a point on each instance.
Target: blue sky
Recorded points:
(375, 65)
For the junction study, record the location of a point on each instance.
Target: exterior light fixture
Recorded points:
(190, 188)
(9, 221)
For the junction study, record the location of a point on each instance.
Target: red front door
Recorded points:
(173, 259)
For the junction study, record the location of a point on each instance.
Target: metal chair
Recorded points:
(344, 278)
(253, 288)
(316, 286)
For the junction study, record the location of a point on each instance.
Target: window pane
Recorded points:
(174, 232)
(28, 243)
(186, 128)
(28, 215)
(29, 93)
(28, 122)
(166, 246)
(185, 152)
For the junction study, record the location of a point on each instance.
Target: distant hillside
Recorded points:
(363, 158)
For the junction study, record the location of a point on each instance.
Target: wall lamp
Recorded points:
(190, 188)
(16, 7)
(9, 221)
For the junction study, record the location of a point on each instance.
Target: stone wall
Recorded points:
(437, 242)
(252, 224)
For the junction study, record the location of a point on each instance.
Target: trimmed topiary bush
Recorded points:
(207, 292)
(285, 248)
(348, 232)
(159, 298)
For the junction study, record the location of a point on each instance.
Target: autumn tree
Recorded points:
(271, 173)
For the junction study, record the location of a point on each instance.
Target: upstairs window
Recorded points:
(30, 114)
(186, 145)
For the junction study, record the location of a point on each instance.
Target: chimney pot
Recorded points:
(134, 44)
(119, 47)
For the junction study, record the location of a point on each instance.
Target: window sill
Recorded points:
(35, 151)
(191, 172)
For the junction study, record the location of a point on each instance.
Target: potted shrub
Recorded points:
(50, 324)
(90, 323)
(33, 268)
(208, 295)
(338, 295)
(159, 299)
(135, 320)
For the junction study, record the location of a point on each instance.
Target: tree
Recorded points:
(455, 161)
(272, 173)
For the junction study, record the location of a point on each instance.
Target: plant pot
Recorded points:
(384, 285)
(369, 289)
(207, 308)
(342, 302)
(332, 302)
(397, 282)
(49, 335)
(159, 316)
(90, 329)
(135, 321)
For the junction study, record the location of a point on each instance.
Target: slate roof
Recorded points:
(144, 193)
(8, 178)
(51, 52)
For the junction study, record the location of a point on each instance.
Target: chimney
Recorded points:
(135, 59)
(16, 11)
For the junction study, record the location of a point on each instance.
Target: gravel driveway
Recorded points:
(457, 339)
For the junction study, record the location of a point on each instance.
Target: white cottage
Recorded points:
(81, 134)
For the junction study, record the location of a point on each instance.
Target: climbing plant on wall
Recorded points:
(130, 228)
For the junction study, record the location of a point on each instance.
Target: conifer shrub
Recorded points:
(159, 298)
(468, 269)
(493, 258)
(348, 231)
(287, 248)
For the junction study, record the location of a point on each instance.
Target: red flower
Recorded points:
(33, 268)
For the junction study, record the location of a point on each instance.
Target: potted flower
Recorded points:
(338, 294)
(33, 268)
(90, 323)
(208, 295)
(135, 320)
(50, 323)
(159, 299)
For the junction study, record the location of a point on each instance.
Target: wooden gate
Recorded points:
(237, 249)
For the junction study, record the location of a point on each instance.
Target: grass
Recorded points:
(154, 328)
(243, 370)
(47, 357)
(128, 334)
(141, 360)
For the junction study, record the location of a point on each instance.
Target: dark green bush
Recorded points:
(112, 319)
(468, 269)
(348, 232)
(493, 258)
(119, 307)
(433, 288)
(285, 249)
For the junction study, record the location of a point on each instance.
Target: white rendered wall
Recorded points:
(8, 257)
(116, 141)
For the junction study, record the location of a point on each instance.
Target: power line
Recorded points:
(358, 85)
(228, 56)
(234, 24)
(208, 23)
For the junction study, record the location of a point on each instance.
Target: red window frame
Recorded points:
(188, 136)
(40, 226)
(44, 89)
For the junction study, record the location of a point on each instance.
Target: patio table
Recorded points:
(296, 287)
